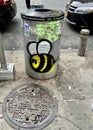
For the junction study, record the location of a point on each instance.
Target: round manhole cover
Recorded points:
(30, 107)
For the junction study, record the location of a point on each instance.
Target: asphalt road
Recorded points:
(12, 37)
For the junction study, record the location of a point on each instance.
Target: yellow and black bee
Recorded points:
(40, 58)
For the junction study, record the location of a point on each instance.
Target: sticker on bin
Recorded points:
(50, 30)
(41, 60)
(26, 29)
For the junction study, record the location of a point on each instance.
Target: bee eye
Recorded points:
(34, 61)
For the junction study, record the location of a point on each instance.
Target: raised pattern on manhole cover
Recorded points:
(30, 107)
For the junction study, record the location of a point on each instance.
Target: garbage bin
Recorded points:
(42, 30)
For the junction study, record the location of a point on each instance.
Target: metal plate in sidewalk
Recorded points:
(30, 107)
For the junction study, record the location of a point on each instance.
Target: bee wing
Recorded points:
(44, 47)
(32, 48)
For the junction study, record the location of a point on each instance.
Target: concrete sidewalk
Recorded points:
(73, 88)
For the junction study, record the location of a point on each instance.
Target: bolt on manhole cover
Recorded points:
(30, 107)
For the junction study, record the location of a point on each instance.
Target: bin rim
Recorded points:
(43, 15)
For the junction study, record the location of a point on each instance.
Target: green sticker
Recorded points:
(50, 30)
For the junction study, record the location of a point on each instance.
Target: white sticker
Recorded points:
(26, 29)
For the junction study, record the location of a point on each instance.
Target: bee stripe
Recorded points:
(42, 62)
(45, 64)
(49, 63)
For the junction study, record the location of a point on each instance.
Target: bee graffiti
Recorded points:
(40, 58)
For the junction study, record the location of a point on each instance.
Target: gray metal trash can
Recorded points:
(42, 30)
